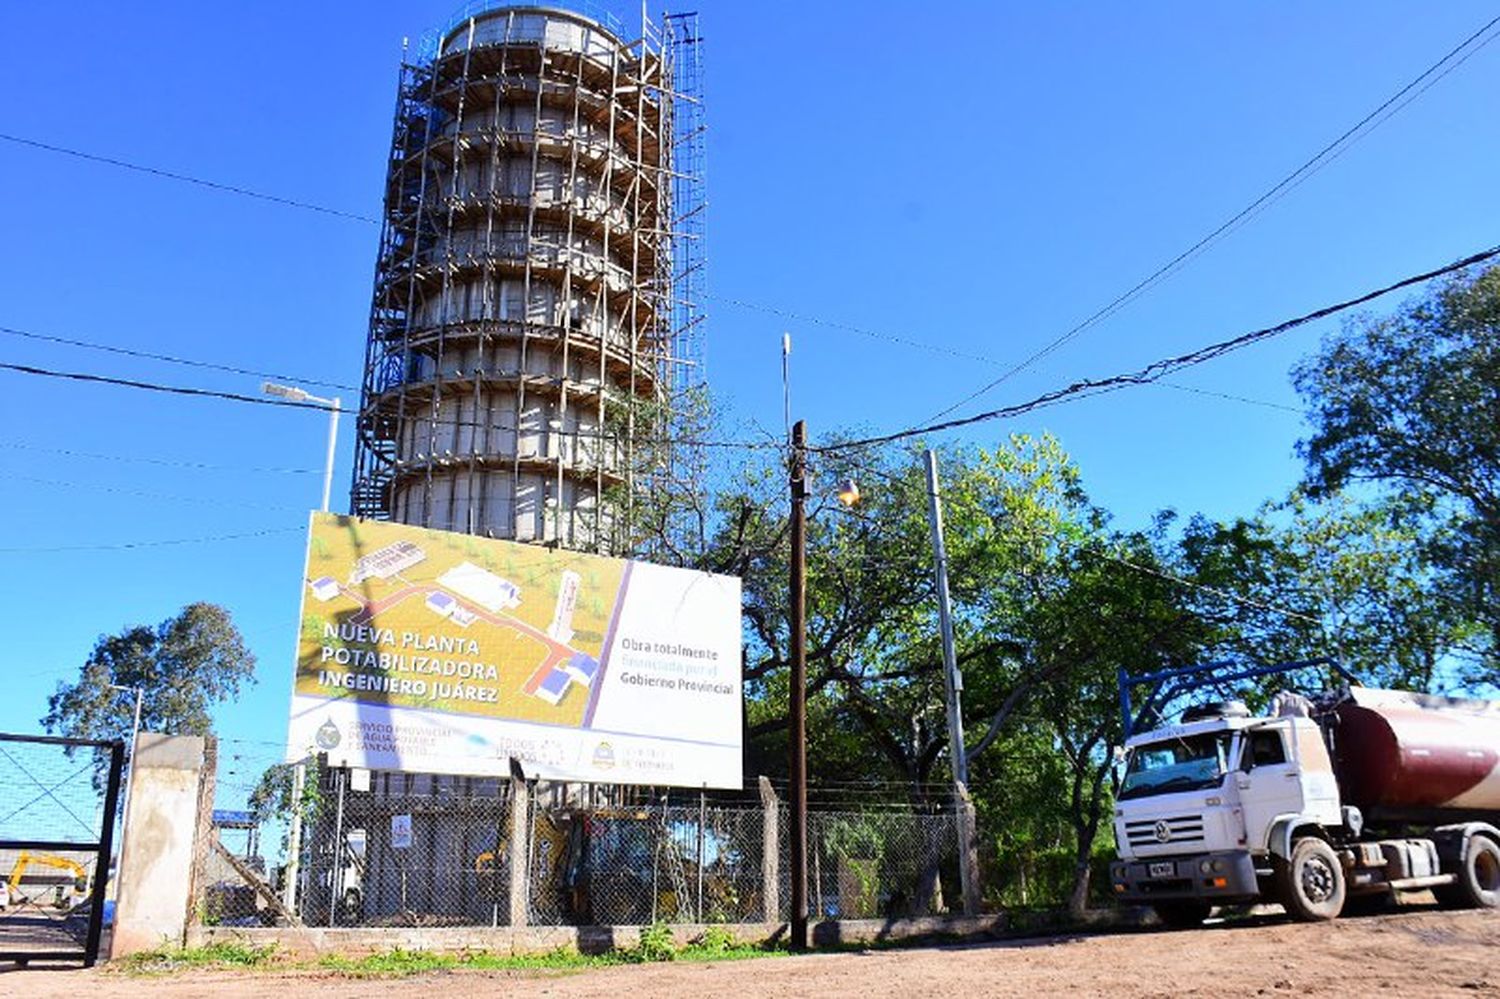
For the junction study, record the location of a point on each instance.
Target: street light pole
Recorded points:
(333, 437)
(294, 394)
(135, 731)
(299, 771)
(798, 693)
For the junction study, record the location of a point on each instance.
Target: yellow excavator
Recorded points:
(65, 896)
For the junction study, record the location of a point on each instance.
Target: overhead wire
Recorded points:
(126, 545)
(1210, 393)
(186, 178)
(167, 462)
(172, 359)
(1321, 158)
(1157, 369)
(1084, 548)
(188, 390)
(148, 494)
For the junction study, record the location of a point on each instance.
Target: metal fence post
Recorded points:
(102, 857)
(770, 863)
(335, 877)
(520, 854)
(702, 821)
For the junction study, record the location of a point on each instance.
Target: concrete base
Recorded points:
(313, 942)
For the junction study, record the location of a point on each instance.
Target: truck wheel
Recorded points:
(1312, 882)
(1183, 915)
(1478, 884)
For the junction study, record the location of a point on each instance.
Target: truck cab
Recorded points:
(1206, 808)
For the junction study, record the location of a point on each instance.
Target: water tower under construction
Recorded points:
(535, 316)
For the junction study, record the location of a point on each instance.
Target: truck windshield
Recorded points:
(1183, 764)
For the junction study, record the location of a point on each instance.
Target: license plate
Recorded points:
(1165, 869)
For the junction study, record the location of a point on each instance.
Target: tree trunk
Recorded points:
(1078, 898)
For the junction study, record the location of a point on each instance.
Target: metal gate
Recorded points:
(57, 822)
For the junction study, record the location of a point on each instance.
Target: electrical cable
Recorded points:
(1265, 403)
(1282, 187)
(18, 445)
(170, 359)
(1157, 369)
(187, 179)
(1082, 547)
(122, 546)
(324, 408)
(146, 494)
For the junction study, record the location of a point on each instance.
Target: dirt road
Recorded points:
(1413, 953)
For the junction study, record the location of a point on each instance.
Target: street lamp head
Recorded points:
(848, 492)
(284, 392)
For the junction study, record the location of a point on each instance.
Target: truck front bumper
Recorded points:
(1217, 877)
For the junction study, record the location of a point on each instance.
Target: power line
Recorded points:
(1083, 549)
(171, 359)
(188, 390)
(1158, 369)
(81, 376)
(122, 546)
(147, 494)
(18, 445)
(187, 179)
(1267, 404)
(851, 328)
(1325, 155)
(949, 351)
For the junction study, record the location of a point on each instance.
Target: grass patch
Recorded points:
(415, 962)
(219, 955)
(656, 944)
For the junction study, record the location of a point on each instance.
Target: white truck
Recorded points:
(1361, 793)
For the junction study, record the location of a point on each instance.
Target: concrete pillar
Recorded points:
(171, 793)
(770, 863)
(520, 853)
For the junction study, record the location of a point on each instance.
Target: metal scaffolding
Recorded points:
(535, 322)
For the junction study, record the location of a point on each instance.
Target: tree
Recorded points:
(1336, 578)
(184, 666)
(1411, 403)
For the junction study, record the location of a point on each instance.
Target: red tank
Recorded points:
(1398, 752)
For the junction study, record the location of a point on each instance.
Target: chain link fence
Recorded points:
(399, 849)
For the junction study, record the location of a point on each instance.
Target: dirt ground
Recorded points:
(1425, 953)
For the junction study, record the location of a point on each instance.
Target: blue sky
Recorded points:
(976, 177)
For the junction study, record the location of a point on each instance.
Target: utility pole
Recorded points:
(953, 685)
(797, 738)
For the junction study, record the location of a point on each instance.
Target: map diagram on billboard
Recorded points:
(431, 650)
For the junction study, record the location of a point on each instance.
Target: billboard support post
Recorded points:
(520, 825)
(798, 691)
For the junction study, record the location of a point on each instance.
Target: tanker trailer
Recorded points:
(1362, 793)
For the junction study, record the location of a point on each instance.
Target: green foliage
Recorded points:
(856, 837)
(656, 944)
(1333, 578)
(227, 954)
(1410, 403)
(716, 940)
(185, 666)
(1024, 877)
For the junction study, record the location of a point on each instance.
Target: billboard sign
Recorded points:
(438, 652)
